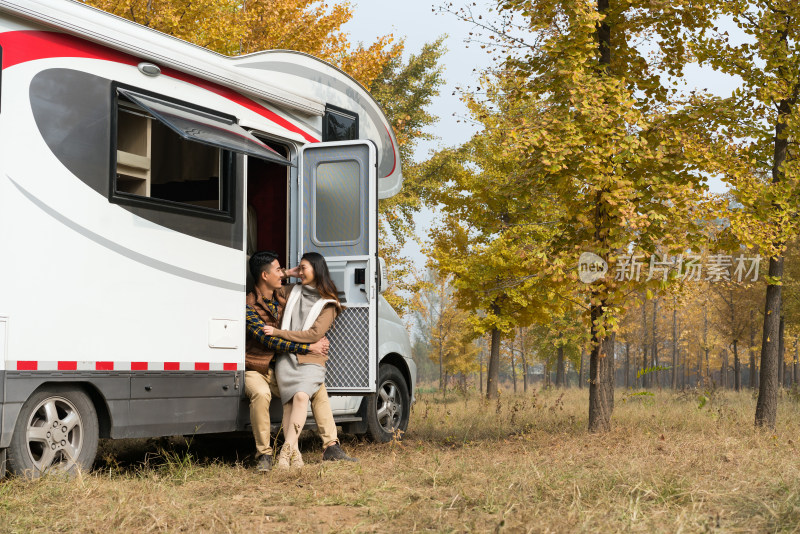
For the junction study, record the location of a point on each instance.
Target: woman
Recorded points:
(309, 312)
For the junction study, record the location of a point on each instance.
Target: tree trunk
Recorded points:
(737, 367)
(655, 375)
(645, 376)
(601, 379)
(723, 370)
(781, 354)
(795, 364)
(675, 345)
(580, 371)
(753, 375)
(601, 361)
(767, 404)
(513, 369)
(441, 362)
(493, 373)
(699, 369)
(480, 365)
(547, 377)
(560, 367)
(627, 364)
(705, 340)
(524, 361)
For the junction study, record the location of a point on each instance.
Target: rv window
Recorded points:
(155, 162)
(203, 126)
(339, 124)
(337, 199)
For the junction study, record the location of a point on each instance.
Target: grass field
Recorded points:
(521, 464)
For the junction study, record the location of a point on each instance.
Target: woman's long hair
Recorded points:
(322, 277)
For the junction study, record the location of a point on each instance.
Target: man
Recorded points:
(264, 308)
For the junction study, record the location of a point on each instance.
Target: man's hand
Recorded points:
(321, 346)
(268, 330)
(294, 272)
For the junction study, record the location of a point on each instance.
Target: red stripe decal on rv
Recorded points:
(138, 366)
(27, 366)
(67, 366)
(394, 155)
(104, 366)
(200, 366)
(29, 45)
(228, 366)
(172, 366)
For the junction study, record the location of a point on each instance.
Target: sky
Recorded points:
(420, 22)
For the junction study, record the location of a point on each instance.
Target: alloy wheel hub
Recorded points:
(57, 435)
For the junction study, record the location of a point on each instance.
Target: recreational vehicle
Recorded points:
(137, 171)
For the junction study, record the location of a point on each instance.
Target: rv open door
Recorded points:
(338, 214)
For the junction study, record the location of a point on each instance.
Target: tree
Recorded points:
(732, 319)
(446, 328)
(583, 117)
(404, 89)
(762, 118)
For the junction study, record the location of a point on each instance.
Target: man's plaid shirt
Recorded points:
(255, 326)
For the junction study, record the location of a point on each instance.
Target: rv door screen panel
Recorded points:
(338, 215)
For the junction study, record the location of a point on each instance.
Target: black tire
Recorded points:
(56, 432)
(389, 408)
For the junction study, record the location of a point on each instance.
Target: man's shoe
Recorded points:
(264, 463)
(334, 453)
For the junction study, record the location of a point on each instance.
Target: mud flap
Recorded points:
(2, 463)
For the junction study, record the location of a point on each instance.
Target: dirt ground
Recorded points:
(522, 464)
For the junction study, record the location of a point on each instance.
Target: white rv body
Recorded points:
(124, 274)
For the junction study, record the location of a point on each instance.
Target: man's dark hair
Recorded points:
(260, 262)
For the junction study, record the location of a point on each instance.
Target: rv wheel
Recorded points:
(388, 409)
(56, 432)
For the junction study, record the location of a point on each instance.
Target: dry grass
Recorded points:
(525, 463)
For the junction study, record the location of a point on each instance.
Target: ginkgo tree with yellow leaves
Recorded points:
(594, 148)
(763, 121)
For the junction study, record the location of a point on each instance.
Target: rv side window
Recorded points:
(339, 124)
(337, 203)
(156, 163)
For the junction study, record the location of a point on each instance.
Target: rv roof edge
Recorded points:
(165, 50)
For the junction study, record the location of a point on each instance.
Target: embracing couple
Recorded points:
(286, 352)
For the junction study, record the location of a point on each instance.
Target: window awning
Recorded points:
(203, 127)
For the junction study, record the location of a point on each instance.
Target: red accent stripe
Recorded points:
(229, 366)
(67, 366)
(27, 366)
(104, 366)
(172, 366)
(30, 45)
(138, 366)
(200, 366)
(394, 155)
